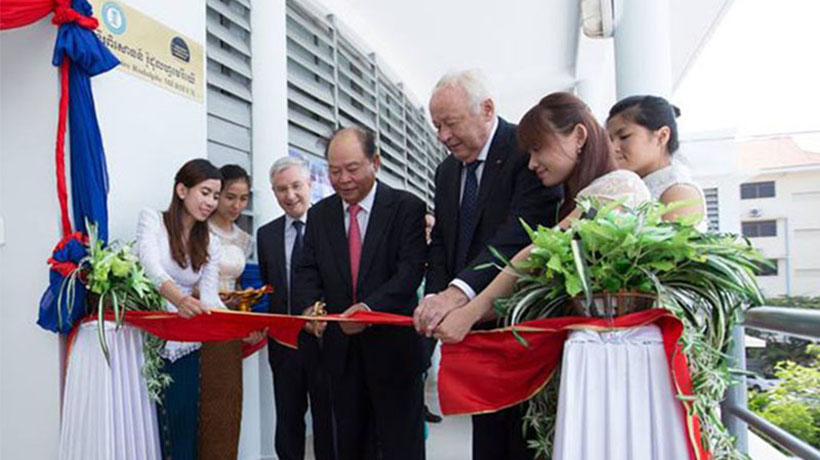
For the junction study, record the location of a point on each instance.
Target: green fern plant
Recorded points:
(705, 279)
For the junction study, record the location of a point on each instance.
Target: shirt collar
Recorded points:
(367, 202)
(289, 220)
(485, 151)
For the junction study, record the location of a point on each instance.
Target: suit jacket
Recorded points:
(270, 244)
(391, 268)
(508, 191)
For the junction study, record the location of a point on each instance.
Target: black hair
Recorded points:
(651, 112)
(233, 173)
(366, 138)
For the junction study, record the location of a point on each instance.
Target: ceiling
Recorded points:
(527, 48)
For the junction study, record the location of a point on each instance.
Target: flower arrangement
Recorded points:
(116, 282)
(705, 279)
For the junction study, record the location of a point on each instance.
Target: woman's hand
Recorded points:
(457, 324)
(189, 307)
(256, 336)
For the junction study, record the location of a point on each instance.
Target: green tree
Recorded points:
(794, 404)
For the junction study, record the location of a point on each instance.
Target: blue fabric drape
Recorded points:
(89, 175)
(58, 318)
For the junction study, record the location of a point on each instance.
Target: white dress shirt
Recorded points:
(479, 170)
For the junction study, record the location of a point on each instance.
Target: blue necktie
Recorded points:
(295, 254)
(297, 243)
(467, 214)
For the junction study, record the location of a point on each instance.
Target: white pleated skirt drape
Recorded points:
(106, 410)
(617, 400)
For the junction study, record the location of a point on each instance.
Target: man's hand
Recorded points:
(350, 327)
(316, 328)
(456, 325)
(432, 309)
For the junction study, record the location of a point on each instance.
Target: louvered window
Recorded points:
(229, 88)
(333, 83)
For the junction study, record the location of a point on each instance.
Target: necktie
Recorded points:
(295, 254)
(354, 244)
(467, 214)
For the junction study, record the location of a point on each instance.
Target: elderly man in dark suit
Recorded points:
(365, 250)
(297, 374)
(482, 189)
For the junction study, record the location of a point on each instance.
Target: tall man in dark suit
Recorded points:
(365, 250)
(482, 189)
(297, 374)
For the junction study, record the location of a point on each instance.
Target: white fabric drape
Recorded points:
(616, 400)
(106, 410)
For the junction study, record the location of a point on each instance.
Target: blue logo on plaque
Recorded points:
(114, 18)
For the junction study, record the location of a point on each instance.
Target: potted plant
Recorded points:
(630, 259)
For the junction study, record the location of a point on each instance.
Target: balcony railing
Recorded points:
(796, 322)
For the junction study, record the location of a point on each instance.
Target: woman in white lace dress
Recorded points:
(616, 399)
(644, 137)
(182, 260)
(221, 385)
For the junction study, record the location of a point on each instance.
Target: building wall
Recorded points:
(712, 159)
(29, 356)
(797, 244)
(148, 132)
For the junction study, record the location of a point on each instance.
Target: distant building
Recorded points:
(780, 213)
(768, 190)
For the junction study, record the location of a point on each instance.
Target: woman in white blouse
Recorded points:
(182, 259)
(644, 135)
(600, 371)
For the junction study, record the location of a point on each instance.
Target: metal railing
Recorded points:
(795, 322)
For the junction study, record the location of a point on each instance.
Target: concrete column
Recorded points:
(270, 102)
(643, 63)
(269, 142)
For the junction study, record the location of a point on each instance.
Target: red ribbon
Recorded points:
(59, 154)
(63, 13)
(492, 370)
(488, 371)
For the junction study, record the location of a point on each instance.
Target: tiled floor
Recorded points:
(452, 438)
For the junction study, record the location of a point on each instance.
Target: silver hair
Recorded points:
(288, 162)
(472, 81)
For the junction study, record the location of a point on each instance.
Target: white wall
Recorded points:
(148, 132)
(29, 356)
